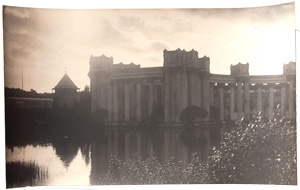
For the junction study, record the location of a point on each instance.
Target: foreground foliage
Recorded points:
(256, 152)
(151, 171)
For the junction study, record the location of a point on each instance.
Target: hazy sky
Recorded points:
(48, 42)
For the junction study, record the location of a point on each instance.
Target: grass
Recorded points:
(20, 173)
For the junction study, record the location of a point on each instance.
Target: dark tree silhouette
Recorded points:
(99, 116)
(192, 115)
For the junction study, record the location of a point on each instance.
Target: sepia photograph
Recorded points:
(150, 96)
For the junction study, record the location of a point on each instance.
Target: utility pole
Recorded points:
(22, 77)
(22, 83)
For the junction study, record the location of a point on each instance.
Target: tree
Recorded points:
(86, 88)
(192, 115)
(256, 152)
(99, 116)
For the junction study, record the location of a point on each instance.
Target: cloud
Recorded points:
(46, 41)
(20, 13)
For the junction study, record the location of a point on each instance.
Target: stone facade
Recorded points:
(130, 92)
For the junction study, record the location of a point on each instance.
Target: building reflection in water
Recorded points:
(66, 150)
(163, 142)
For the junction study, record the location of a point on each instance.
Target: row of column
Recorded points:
(243, 99)
(134, 100)
(132, 143)
(184, 88)
(127, 143)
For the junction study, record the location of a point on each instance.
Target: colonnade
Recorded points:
(184, 87)
(126, 99)
(243, 91)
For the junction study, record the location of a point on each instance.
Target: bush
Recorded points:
(253, 152)
(256, 152)
(151, 171)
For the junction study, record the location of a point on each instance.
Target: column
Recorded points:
(247, 100)
(93, 92)
(167, 96)
(205, 95)
(184, 90)
(151, 98)
(231, 86)
(109, 102)
(102, 84)
(291, 99)
(115, 102)
(239, 101)
(172, 87)
(221, 93)
(199, 102)
(212, 94)
(138, 102)
(259, 97)
(271, 101)
(127, 102)
(178, 102)
(283, 98)
(132, 93)
(193, 88)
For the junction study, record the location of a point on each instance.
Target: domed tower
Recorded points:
(65, 93)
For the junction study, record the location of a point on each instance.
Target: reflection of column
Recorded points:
(212, 94)
(109, 101)
(110, 142)
(138, 102)
(167, 144)
(283, 98)
(139, 143)
(247, 100)
(116, 143)
(231, 101)
(291, 98)
(127, 145)
(206, 148)
(259, 97)
(127, 102)
(221, 93)
(239, 101)
(115, 102)
(167, 96)
(271, 101)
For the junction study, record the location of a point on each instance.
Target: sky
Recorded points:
(49, 42)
